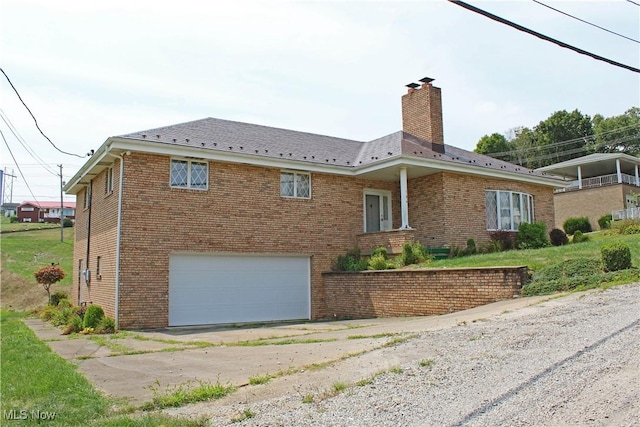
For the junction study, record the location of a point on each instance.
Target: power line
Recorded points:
(34, 118)
(24, 144)
(18, 166)
(586, 139)
(631, 1)
(542, 36)
(586, 22)
(568, 141)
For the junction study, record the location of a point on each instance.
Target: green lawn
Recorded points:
(25, 252)
(33, 378)
(538, 258)
(7, 225)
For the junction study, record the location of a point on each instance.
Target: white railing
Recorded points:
(600, 181)
(630, 213)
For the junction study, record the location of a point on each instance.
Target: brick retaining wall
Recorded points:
(368, 294)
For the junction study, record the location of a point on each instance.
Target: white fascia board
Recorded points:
(73, 185)
(446, 166)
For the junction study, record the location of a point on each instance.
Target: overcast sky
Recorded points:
(89, 70)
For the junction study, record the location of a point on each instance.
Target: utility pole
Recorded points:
(61, 206)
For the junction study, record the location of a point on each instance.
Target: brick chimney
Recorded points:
(422, 113)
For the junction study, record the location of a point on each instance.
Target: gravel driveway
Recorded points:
(568, 361)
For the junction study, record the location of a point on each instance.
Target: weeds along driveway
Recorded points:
(130, 364)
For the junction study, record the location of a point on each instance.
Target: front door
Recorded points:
(377, 211)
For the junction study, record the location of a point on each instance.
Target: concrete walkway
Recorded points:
(312, 354)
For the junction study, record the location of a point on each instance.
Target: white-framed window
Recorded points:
(27, 209)
(295, 184)
(506, 210)
(108, 181)
(189, 174)
(85, 198)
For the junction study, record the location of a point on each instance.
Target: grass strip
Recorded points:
(39, 387)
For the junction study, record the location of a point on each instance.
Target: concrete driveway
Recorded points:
(311, 354)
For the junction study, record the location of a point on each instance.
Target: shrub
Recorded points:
(351, 261)
(106, 326)
(56, 297)
(604, 222)
(578, 237)
(532, 235)
(492, 246)
(48, 313)
(13, 219)
(62, 316)
(377, 262)
(380, 250)
(67, 222)
(505, 239)
(616, 256)
(407, 254)
(47, 276)
(471, 247)
(558, 237)
(64, 303)
(414, 253)
(571, 225)
(92, 316)
(80, 311)
(74, 325)
(628, 226)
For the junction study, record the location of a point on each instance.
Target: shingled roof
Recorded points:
(269, 142)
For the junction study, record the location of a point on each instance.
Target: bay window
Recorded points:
(506, 210)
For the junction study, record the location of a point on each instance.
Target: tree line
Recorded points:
(565, 136)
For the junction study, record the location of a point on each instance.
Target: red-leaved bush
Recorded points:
(49, 275)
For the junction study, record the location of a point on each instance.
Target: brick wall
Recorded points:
(590, 202)
(104, 215)
(393, 240)
(418, 292)
(241, 212)
(449, 208)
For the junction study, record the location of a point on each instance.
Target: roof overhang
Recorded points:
(386, 169)
(593, 165)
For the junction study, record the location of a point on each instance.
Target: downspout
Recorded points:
(118, 233)
(87, 276)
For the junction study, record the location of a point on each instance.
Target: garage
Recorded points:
(209, 289)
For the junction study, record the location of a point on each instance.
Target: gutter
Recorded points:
(118, 236)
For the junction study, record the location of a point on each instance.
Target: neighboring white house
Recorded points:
(598, 184)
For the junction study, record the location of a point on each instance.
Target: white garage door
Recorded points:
(208, 289)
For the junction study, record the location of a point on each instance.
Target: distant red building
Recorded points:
(45, 211)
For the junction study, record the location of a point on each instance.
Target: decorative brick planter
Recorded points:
(393, 240)
(391, 293)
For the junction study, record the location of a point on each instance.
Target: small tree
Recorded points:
(49, 275)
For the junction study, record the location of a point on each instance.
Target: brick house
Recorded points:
(45, 211)
(215, 221)
(599, 184)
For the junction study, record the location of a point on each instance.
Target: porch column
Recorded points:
(580, 177)
(637, 177)
(404, 200)
(618, 171)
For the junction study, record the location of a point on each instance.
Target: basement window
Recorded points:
(506, 210)
(295, 184)
(189, 174)
(99, 268)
